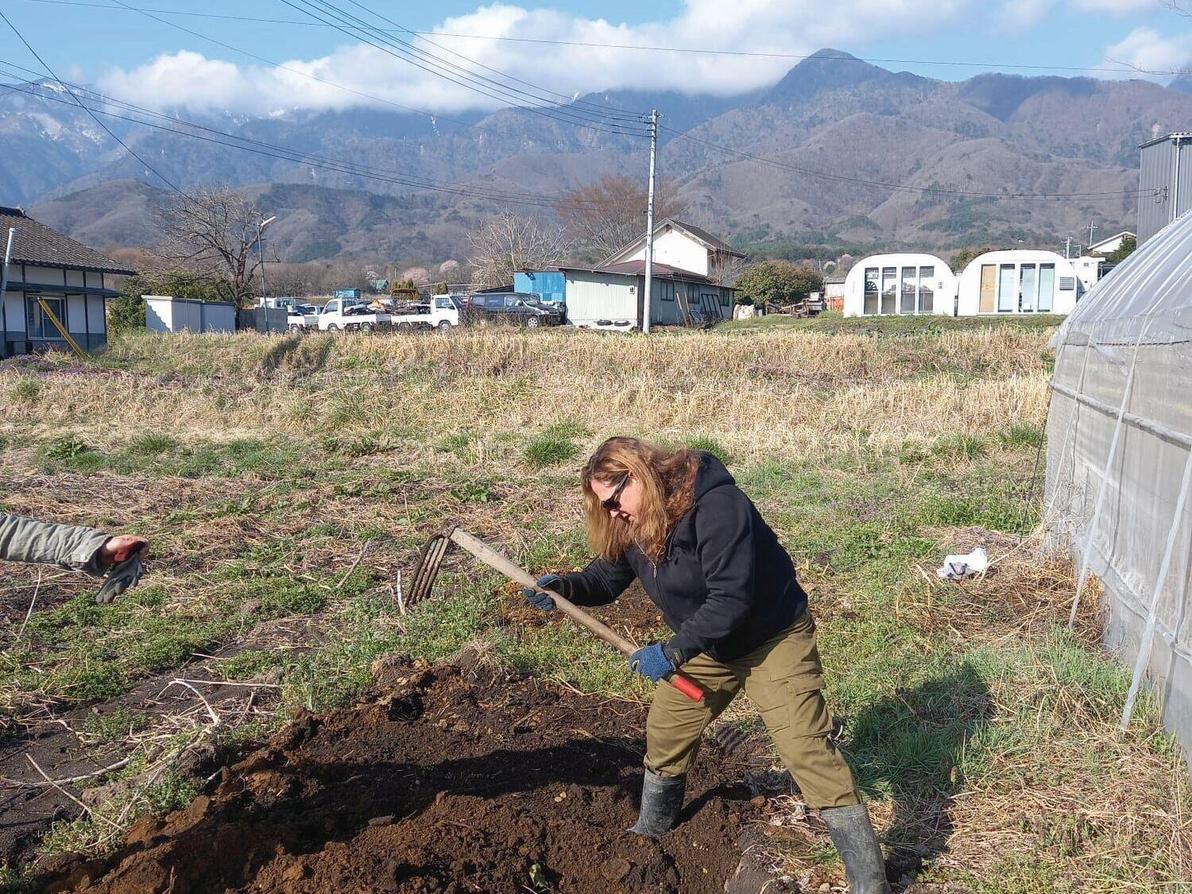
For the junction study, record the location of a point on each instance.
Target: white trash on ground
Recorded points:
(960, 567)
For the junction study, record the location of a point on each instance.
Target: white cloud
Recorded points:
(193, 81)
(1145, 50)
(1018, 15)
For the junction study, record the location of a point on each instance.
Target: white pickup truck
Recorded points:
(302, 318)
(441, 312)
(351, 316)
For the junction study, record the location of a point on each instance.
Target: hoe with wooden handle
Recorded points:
(431, 558)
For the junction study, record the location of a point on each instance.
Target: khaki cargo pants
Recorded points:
(783, 677)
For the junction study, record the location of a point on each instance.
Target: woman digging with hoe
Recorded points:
(726, 587)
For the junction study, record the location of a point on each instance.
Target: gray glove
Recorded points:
(119, 579)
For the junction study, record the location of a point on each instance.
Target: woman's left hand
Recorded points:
(651, 662)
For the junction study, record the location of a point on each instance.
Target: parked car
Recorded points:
(513, 307)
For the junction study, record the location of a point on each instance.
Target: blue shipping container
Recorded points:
(548, 285)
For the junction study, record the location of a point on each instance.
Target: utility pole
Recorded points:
(1092, 226)
(261, 251)
(650, 223)
(3, 290)
(1067, 247)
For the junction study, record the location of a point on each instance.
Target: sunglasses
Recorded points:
(613, 503)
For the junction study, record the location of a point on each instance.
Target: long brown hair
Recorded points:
(668, 487)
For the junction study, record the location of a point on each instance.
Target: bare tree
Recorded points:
(214, 234)
(607, 215)
(508, 243)
(726, 269)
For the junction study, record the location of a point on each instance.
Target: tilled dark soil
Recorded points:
(452, 780)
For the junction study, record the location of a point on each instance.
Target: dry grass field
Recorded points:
(286, 484)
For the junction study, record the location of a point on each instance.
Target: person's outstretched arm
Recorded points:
(72, 547)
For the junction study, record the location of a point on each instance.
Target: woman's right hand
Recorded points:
(540, 600)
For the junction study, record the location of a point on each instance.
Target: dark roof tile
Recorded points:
(35, 243)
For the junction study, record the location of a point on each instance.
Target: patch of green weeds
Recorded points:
(116, 725)
(570, 654)
(960, 446)
(709, 445)
(549, 450)
(248, 664)
(151, 444)
(1021, 435)
(26, 391)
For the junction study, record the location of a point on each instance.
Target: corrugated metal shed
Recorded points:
(1164, 182)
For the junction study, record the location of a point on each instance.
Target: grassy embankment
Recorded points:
(983, 731)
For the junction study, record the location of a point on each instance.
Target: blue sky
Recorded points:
(148, 62)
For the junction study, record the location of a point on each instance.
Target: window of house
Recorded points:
(1007, 289)
(926, 290)
(1046, 287)
(889, 290)
(38, 325)
(1028, 284)
(871, 290)
(907, 305)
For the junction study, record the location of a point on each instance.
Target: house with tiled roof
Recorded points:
(682, 246)
(72, 280)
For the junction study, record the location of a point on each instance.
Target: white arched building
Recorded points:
(899, 284)
(1022, 281)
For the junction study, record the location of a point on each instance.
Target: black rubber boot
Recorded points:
(662, 799)
(853, 835)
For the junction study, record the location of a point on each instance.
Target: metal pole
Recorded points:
(261, 249)
(650, 223)
(3, 292)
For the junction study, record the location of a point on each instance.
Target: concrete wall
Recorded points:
(938, 286)
(164, 313)
(1008, 284)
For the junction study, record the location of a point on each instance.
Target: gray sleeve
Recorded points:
(67, 546)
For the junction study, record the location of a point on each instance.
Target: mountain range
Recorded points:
(839, 152)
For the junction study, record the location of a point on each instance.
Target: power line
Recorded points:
(651, 48)
(271, 150)
(94, 117)
(566, 98)
(355, 27)
(250, 55)
(898, 187)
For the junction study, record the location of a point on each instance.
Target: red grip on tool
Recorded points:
(687, 686)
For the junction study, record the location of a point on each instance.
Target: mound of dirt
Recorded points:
(453, 781)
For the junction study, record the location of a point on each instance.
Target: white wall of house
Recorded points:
(902, 284)
(675, 249)
(601, 300)
(613, 298)
(1017, 282)
(1110, 245)
(1088, 270)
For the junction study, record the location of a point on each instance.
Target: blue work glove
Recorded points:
(541, 600)
(651, 661)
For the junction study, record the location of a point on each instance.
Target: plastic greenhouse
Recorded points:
(1119, 462)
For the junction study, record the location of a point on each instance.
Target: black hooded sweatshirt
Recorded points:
(725, 584)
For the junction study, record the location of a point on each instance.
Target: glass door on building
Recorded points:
(871, 291)
(1027, 286)
(926, 290)
(37, 324)
(1007, 289)
(889, 290)
(1046, 288)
